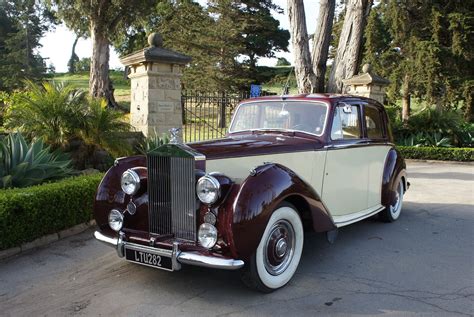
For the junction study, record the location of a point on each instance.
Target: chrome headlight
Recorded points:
(115, 220)
(130, 182)
(208, 189)
(207, 235)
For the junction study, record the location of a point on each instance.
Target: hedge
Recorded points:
(437, 153)
(32, 212)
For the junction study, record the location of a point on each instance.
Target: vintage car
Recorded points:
(288, 164)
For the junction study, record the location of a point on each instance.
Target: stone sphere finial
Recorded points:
(366, 68)
(155, 40)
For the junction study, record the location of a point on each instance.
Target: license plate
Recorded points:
(152, 259)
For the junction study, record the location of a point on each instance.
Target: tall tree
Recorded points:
(262, 34)
(305, 77)
(349, 48)
(322, 40)
(423, 48)
(71, 64)
(102, 20)
(22, 24)
(224, 39)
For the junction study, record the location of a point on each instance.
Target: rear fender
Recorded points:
(394, 170)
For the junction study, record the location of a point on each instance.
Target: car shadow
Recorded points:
(372, 268)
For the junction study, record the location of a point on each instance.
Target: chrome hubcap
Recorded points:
(279, 247)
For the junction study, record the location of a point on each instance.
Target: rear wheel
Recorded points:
(279, 252)
(392, 212)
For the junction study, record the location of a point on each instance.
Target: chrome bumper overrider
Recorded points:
(191, 258)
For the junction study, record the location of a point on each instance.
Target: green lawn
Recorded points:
(81, 80)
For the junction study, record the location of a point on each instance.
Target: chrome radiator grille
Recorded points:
(171, 196)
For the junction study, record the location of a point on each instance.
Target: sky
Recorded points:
(57, 44)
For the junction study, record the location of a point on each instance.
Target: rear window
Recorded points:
(373, 122)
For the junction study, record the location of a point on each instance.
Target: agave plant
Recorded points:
(23, 164)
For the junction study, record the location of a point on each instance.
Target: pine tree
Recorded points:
(224, 39)
(425, 48)
(22, 24)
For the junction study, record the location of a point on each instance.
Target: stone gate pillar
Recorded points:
(367, 85)
(155, 75)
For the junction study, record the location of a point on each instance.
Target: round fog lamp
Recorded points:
(208, 189)
(207, 235)
(115, 220)
(209, 217)
(130, 182)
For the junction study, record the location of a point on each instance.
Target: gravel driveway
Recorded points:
(422, 264)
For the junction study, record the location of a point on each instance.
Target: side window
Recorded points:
(346, 124)
(373, 121)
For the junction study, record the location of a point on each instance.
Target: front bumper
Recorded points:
(177, 256)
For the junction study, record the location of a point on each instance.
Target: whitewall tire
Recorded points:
(392, 212)
(279, 252)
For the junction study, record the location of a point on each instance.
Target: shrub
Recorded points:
(65, 118)
(29, 213)
(103, 126)
(24, 165)
(152, 142)
(437, 153)
(431, 127)
(52, 111)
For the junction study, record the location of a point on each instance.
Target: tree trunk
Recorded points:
(349, 47)
(74, 58)
(321, 41)
(406, 99)
(299, 39)
(100, 85)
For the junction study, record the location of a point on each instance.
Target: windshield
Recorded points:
(304, 116)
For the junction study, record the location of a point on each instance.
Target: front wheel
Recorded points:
(279, 252)
(392, 212)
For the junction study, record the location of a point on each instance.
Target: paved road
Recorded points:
(421, 265)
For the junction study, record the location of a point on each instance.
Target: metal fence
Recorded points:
(207, 115)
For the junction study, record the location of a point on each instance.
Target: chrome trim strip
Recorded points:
(357, 218)
(323, 103)
(354, 145)
(177, 257)
(194, 258)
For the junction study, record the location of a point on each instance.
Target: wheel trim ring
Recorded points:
(276, 265)
(395, 208)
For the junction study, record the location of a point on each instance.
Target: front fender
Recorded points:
(260, 194)
(110, 195)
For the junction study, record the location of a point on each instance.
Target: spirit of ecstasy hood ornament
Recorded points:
(174, 135)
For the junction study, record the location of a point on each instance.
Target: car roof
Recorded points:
(330, 98)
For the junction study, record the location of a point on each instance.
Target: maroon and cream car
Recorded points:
(288, 165)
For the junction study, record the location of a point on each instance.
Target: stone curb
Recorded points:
(439, 162)
(45, 240)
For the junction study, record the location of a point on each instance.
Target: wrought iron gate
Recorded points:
(207, 115)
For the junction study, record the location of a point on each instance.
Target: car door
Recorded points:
(346, 174)
(376, 134)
